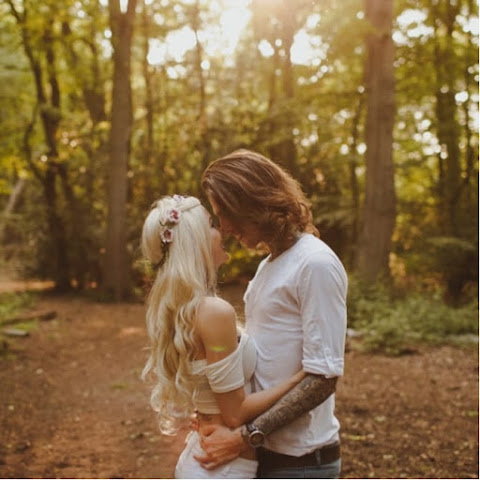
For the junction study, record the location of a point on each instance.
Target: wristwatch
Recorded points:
(254, 437)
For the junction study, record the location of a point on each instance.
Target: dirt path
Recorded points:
(72, 404)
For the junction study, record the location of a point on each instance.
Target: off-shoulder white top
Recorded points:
(228, 374)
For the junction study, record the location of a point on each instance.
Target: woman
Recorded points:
(199, 362)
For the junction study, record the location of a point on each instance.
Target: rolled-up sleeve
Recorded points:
(322, 293)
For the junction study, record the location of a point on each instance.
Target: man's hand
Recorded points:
(221, 445)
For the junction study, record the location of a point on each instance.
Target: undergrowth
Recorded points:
(394, 324)
(11, 304)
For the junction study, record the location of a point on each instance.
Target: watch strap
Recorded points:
(255, 437)
(250, 427)
(245, 433)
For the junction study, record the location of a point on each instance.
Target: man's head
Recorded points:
(255, 200)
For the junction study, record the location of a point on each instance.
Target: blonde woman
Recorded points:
(198, 360)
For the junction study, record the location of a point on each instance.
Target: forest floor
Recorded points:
(72, 404)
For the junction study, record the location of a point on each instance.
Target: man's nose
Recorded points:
(225, 228)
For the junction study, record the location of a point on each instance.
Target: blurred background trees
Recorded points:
(107, 105)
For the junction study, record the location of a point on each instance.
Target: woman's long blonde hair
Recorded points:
(185, 274)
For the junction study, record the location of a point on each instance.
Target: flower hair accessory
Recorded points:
(173, 217)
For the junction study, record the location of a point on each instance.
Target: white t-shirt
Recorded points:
(295, 309)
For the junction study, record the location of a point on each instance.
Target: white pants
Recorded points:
(188, 467)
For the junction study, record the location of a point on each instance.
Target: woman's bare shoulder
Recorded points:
(215, 316)
(215, 306)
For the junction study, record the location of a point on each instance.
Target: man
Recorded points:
(295, 309)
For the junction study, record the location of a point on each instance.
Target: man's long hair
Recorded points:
(251, 189)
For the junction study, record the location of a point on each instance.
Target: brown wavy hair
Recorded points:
(251, 189)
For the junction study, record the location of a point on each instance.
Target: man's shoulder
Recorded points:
(314, 249)
(316, 255)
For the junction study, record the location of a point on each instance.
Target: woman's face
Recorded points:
(220, 256)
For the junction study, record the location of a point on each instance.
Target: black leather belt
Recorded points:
(273, 460)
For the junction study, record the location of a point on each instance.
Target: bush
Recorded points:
(393, 325)
(13, 303)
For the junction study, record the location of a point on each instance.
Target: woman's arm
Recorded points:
(238, 409)
(218, 332)
(221, 444)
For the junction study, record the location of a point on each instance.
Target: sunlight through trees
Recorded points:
(164, 87)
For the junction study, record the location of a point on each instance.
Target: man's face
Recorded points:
(247, 235)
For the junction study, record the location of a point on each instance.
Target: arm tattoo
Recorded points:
(308, 394)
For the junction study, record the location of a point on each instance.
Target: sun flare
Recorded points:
(222, 39)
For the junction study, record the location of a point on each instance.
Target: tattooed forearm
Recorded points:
(309, 393)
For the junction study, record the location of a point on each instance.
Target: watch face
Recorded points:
(256, 439)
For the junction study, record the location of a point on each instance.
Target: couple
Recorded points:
(264, 398)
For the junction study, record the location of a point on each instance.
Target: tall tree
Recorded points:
(203, 142)
(116, 274)
(379, 208)
(39, 46)
(444, 14)
(277, 23)
(144, 183)
(454, 204)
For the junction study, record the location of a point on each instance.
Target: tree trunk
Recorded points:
(57, 231)
(48, 101)
(379, 208)
(148, 170)
(282, 121)
(471, 153)
(91, 84)
(117, 274)
(352, 167)
(288, 33)
(203, 143)
(448, 129)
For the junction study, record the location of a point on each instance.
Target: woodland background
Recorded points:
(108, 105)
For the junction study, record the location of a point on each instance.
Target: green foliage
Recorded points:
(207, 102)
(242, 264)
(457, 261)
(396, 324)
(13, 303)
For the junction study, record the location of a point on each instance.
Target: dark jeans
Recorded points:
(329, 470)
